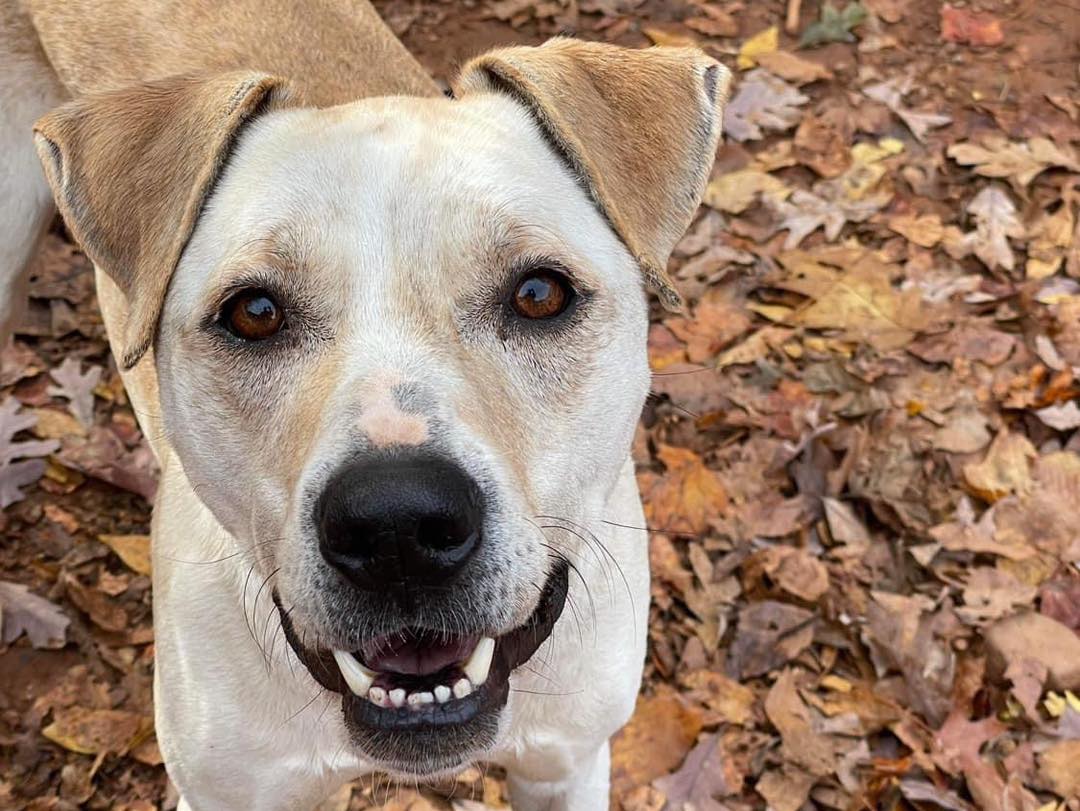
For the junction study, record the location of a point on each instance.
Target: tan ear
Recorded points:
(131, 169)
(638, 127)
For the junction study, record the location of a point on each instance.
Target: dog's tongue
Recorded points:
(416, 654)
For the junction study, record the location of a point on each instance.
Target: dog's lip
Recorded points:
(511, 650)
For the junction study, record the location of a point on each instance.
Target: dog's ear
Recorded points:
(131, 169)
(639, 129)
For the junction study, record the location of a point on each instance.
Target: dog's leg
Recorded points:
(585, 790)
(28, 89)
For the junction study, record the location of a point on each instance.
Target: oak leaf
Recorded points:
(15, 475)
(23, 612)
(995, 222)
(77, 387)
(687, 496)
(998, 157)
(762, 103)
(891, 93)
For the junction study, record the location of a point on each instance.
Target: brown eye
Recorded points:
(542, 294)
(253, 315)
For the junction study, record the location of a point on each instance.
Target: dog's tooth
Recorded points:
(358, 677)
(378, 697)
(480, 662)
(420, 698)
(442, 694)
(397, 697)
(462, 688)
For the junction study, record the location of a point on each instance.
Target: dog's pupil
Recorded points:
(540, 296)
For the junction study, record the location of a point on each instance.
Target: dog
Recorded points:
(389, 349)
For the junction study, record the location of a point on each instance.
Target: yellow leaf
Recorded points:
(92, 732)
(667, 38)
(134, 550)
(735, 192)
(1005, 469)
(761, 43)
(774, 312)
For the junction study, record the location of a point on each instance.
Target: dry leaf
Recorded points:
(891, 94)
(770, 634)
(762, 103)
(999, 157)
(761, 43)
(791, 717)
(93, 732)
(726, 700)
(1036, 636)
(702, 778)
(654, 741)
(1051, 243)
(15, 475)
(1005, 469)
(964, 26)
(734, 192)
(687, 496)
(23, 612)
(77, 387)
(793, 68)
(1058, 768)
(134, 550)
(925, 231)
(104, 612)
(995, 221)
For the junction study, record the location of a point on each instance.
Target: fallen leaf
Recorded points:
(990, 594)
(104, 456)
(834, 25)
(1036, 636)
(995, 221)
(791, 717)
(823, 141)
(102, 611)
(967, 431)
(23, 612)
(998, 157)
(1063, 417)
(134, 550)
(715, 23)
(1058, 767)
(77, 388)
(726, 700)
(793, 68)
(1005, 469)
(925, 231)
(762, 103)
(762, 42)
(734, 192)
(15, 475)
(687, 496)
(669, 38)
(700, 780)
(654, 741)
(718, 319)
(1051, 243)
(805, 212)
(770, 634)
(844, 525)
(797, 572)
(93, 732)
(966, 27)
(785, 789)
(891, 93)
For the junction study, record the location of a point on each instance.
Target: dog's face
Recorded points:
(452, 359)
(401, 358)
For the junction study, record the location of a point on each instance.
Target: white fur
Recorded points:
(378, 192)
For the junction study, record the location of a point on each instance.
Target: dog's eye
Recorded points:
(253, 315)
(542, 294)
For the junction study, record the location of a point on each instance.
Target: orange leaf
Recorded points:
(688, 496)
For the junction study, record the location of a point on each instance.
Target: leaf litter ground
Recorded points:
(861, 459)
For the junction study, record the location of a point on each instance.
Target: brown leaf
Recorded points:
(770, 634)
(77, 387)
(23, 612)
(92, 732)
(103, 611)
(654, 741)
(718, 319)
(791, 717)
(727, 701)
(823, 141)
(785, 789)
(966, 27)
(925, 231)
(1038, 637)
(797, 572)
(134, 550)
(703, 777)
(1058, 768)
(793, 68)
(687, 496)
(1005, 469)
(1001, 158)
(762, 103)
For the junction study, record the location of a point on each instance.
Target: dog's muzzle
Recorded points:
(405, 529)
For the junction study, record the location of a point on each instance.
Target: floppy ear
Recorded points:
(131, 169)
(639, 128)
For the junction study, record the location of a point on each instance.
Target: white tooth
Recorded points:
(419, 699)
(377, 696)
(358, 677)
(442, 693)
(397, 697)
(480, 662)
(462, 688)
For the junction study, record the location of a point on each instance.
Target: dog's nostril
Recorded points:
(388, 521)
(440, 533)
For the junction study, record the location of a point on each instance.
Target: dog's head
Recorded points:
(399, 340)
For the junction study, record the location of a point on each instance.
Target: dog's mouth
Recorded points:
(416, 681)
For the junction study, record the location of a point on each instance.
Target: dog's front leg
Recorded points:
(586, 789)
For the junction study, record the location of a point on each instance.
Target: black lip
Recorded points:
(472, 718)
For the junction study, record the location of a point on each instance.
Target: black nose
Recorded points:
(413, 519)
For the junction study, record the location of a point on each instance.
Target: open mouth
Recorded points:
(417, 680)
